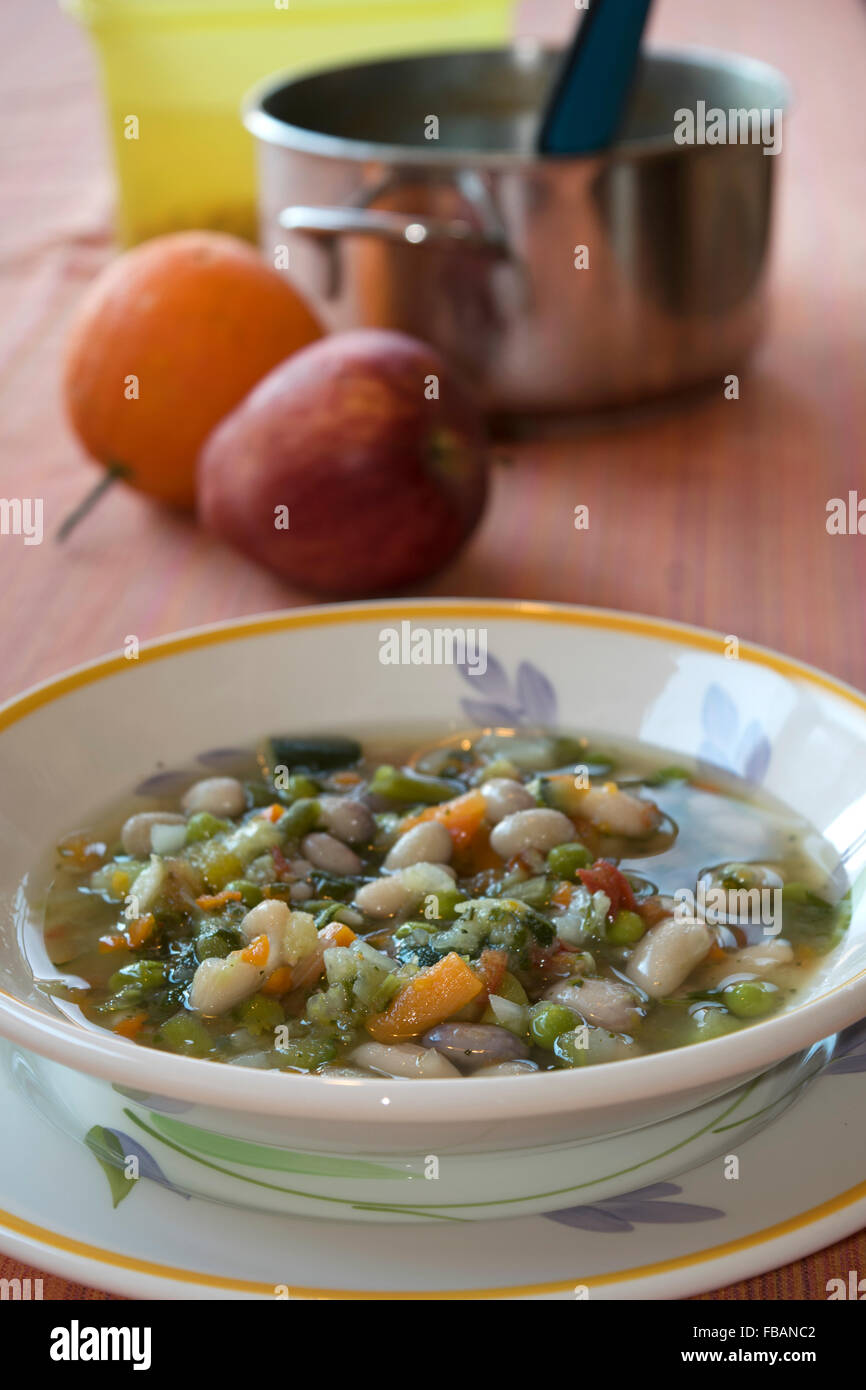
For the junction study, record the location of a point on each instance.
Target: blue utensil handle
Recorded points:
(590, 94)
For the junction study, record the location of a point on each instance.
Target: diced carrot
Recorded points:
(257, 952)
(84, 853)
(336, 934)
(491, 967)
(429, 997)
(208, 901)
(279, 981)
(309, 970)
(477, 857)
(563, 894)
(717, 952)
(112, 942)
(346, 779)
(131, 1026)
(462, 817)
(273, 812)
(140, 930)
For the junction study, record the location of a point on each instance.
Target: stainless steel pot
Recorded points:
(469, 240)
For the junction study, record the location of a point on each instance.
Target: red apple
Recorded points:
(357, 466)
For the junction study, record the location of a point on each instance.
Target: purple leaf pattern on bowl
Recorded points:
(529, 700)
(169, 783)
(743, 750)
(223, 759)
(618, 1215)
(112, 1150)
(147, 1164)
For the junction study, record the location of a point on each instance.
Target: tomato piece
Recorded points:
(604, 877)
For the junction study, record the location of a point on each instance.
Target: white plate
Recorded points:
(800, 1187)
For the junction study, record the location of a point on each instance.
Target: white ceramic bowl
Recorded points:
(76, 743)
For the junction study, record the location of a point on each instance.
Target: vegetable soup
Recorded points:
(489, 903)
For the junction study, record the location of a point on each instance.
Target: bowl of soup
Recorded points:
(312, 906)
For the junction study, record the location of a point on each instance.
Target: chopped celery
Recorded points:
(185, 1033)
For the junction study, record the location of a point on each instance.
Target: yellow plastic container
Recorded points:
(174, 73)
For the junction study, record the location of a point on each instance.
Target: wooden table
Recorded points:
(709, 510)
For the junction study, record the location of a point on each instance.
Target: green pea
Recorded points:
(251, 893)
(626, 928)
(186, 1034)
(565, 860)
(203, 826)
(712, 1022)
(547, 1022)
(751, 998)
(260, 1014)
(570, 1048)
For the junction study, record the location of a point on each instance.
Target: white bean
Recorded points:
(269, 918)
(617, 812)
(324, 852)
(148, 885)
(763, 957)
(394, 893)
(348, 819)
(604, 1003)
(291, 935)
(668, 954)
(402, 1059)
(428, 843)
(218, 985)
(135, 835)
(219, 796)
(519, 1067)
(524, 830)
(504, 796)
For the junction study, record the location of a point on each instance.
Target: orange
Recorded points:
(166, 342)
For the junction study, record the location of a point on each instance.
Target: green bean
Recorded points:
(251, 893)
(313, 754)
(297, 787)
(395, 785)
(300, 818)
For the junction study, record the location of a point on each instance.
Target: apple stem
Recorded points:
(112, 474)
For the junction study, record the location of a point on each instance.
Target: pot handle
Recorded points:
(401, 228)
